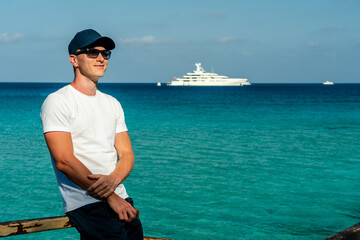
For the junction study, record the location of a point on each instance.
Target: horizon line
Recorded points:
(190, 86)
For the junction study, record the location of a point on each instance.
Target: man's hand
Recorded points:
(104, 186)
(124, 210)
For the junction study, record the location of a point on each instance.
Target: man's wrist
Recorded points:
(112, 196)
(117, 178)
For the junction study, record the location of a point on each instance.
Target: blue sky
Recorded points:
(282, 41)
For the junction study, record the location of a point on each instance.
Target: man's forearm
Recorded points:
(125, 155)
(124, 167)
(76, 171)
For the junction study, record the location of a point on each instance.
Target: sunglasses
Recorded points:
(94, 53)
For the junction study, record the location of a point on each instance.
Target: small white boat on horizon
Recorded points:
(158, 84)
(328, 83)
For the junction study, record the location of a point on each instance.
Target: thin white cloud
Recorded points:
(226, 39)
(146, 39)
(6, 37)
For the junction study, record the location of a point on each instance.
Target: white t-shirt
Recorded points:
(93, 122)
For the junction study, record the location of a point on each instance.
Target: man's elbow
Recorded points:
(132, 156)
(61, 165)
(127, 155)
(133, 160)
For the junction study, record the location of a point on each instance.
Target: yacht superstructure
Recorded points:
(328, 83)
(201, 78)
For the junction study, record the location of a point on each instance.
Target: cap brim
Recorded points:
(105, 42)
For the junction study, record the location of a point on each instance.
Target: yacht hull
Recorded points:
(209, 84)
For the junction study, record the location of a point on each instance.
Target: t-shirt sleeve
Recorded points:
(120, 118)
(55, 114)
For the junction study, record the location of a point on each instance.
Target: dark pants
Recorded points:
(98, 221)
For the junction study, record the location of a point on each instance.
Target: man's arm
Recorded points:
(61, 148)
(106, 184)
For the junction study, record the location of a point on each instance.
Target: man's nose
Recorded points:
(100, 58)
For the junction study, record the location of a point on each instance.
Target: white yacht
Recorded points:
(201, 78)
(328, 83)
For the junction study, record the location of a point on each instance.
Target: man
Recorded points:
(91, 151)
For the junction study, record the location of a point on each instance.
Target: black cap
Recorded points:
(89, 37)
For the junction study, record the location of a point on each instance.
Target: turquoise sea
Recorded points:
(266, 161)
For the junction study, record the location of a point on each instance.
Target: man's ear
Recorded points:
(73, 60)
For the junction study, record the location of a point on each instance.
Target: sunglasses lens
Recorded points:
(106, 54)
(93, 53)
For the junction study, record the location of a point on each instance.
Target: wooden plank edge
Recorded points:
(33, 225)
(40, 224)
(351, 233)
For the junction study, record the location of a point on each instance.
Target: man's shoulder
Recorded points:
(107, 96)
(64, 90)
(59, 97)
(61, 93)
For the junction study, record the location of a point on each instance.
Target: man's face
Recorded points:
(92, 68)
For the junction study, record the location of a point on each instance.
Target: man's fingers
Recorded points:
(131, 212)
(102, 186)
(93, 187)
(131, 215)
(123, 216)
(94, 176)
(128, 214)
(96, 184)
(104, 193)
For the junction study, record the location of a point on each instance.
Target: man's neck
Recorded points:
(85, 86)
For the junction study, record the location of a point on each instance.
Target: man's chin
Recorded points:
(100, 74)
